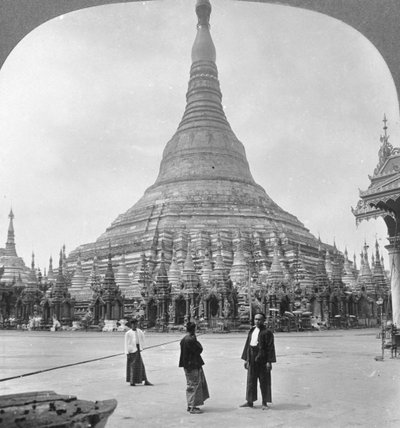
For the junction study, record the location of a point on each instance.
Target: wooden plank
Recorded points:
(32, 397)
(41, 409)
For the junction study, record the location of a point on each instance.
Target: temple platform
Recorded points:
(321, 379)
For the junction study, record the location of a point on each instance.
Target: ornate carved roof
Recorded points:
(381, 197)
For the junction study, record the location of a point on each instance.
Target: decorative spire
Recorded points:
(238, 258)
(189, 265)
(110, 272)
(122, 278)
(386, 148)
(348, 273)
(203, 48)
(10, 244)
(385, 125)
(78, 288)
(275, 277)
(378, 257)
(60, 288)
(60, 263)
(94, 280)
(189, 276)
(204, 106)
(321, 280)
(328, 264)
(162, 271)
(174, 274)
(219, 267)
(206, 271)
(32, 278)
(162, 283)
(109, 284)
(50, 275)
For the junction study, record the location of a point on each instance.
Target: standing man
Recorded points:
(134, 343)
(259, 354)
(191, 361)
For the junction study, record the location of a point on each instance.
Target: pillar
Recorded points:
(394, 265)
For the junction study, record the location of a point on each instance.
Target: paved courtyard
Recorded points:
(321, 379)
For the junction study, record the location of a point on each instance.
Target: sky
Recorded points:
(88, 101)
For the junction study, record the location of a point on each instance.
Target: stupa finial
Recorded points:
(203, 11)
(203, 46)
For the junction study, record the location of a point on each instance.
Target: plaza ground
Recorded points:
(321, 379)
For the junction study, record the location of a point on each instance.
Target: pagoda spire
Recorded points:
(78, 281)
(204, 135)
(204, 96)
(109, 285)
(189, 276)
(174, 274)
(162, 276)
(50, 275)
(206, 271)
(122, 277)
(32, 278)
(348, 272)
(189, 265)
(10, 244)
(60, 288)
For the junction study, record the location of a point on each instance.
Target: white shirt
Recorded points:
(133, 338)
(254, 337)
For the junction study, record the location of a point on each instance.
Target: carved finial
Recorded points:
(386, 148)
(384, 124)
(203, 47)
(203, 11)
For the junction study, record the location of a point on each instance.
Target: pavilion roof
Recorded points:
(380, 198)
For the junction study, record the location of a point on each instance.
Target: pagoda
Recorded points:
(14, 266)
(108, 302)
(57, 303)
(202, 204)
(28, 303)
(204, 186)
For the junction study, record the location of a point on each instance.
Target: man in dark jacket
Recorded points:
(190, 359)
(259, 354)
